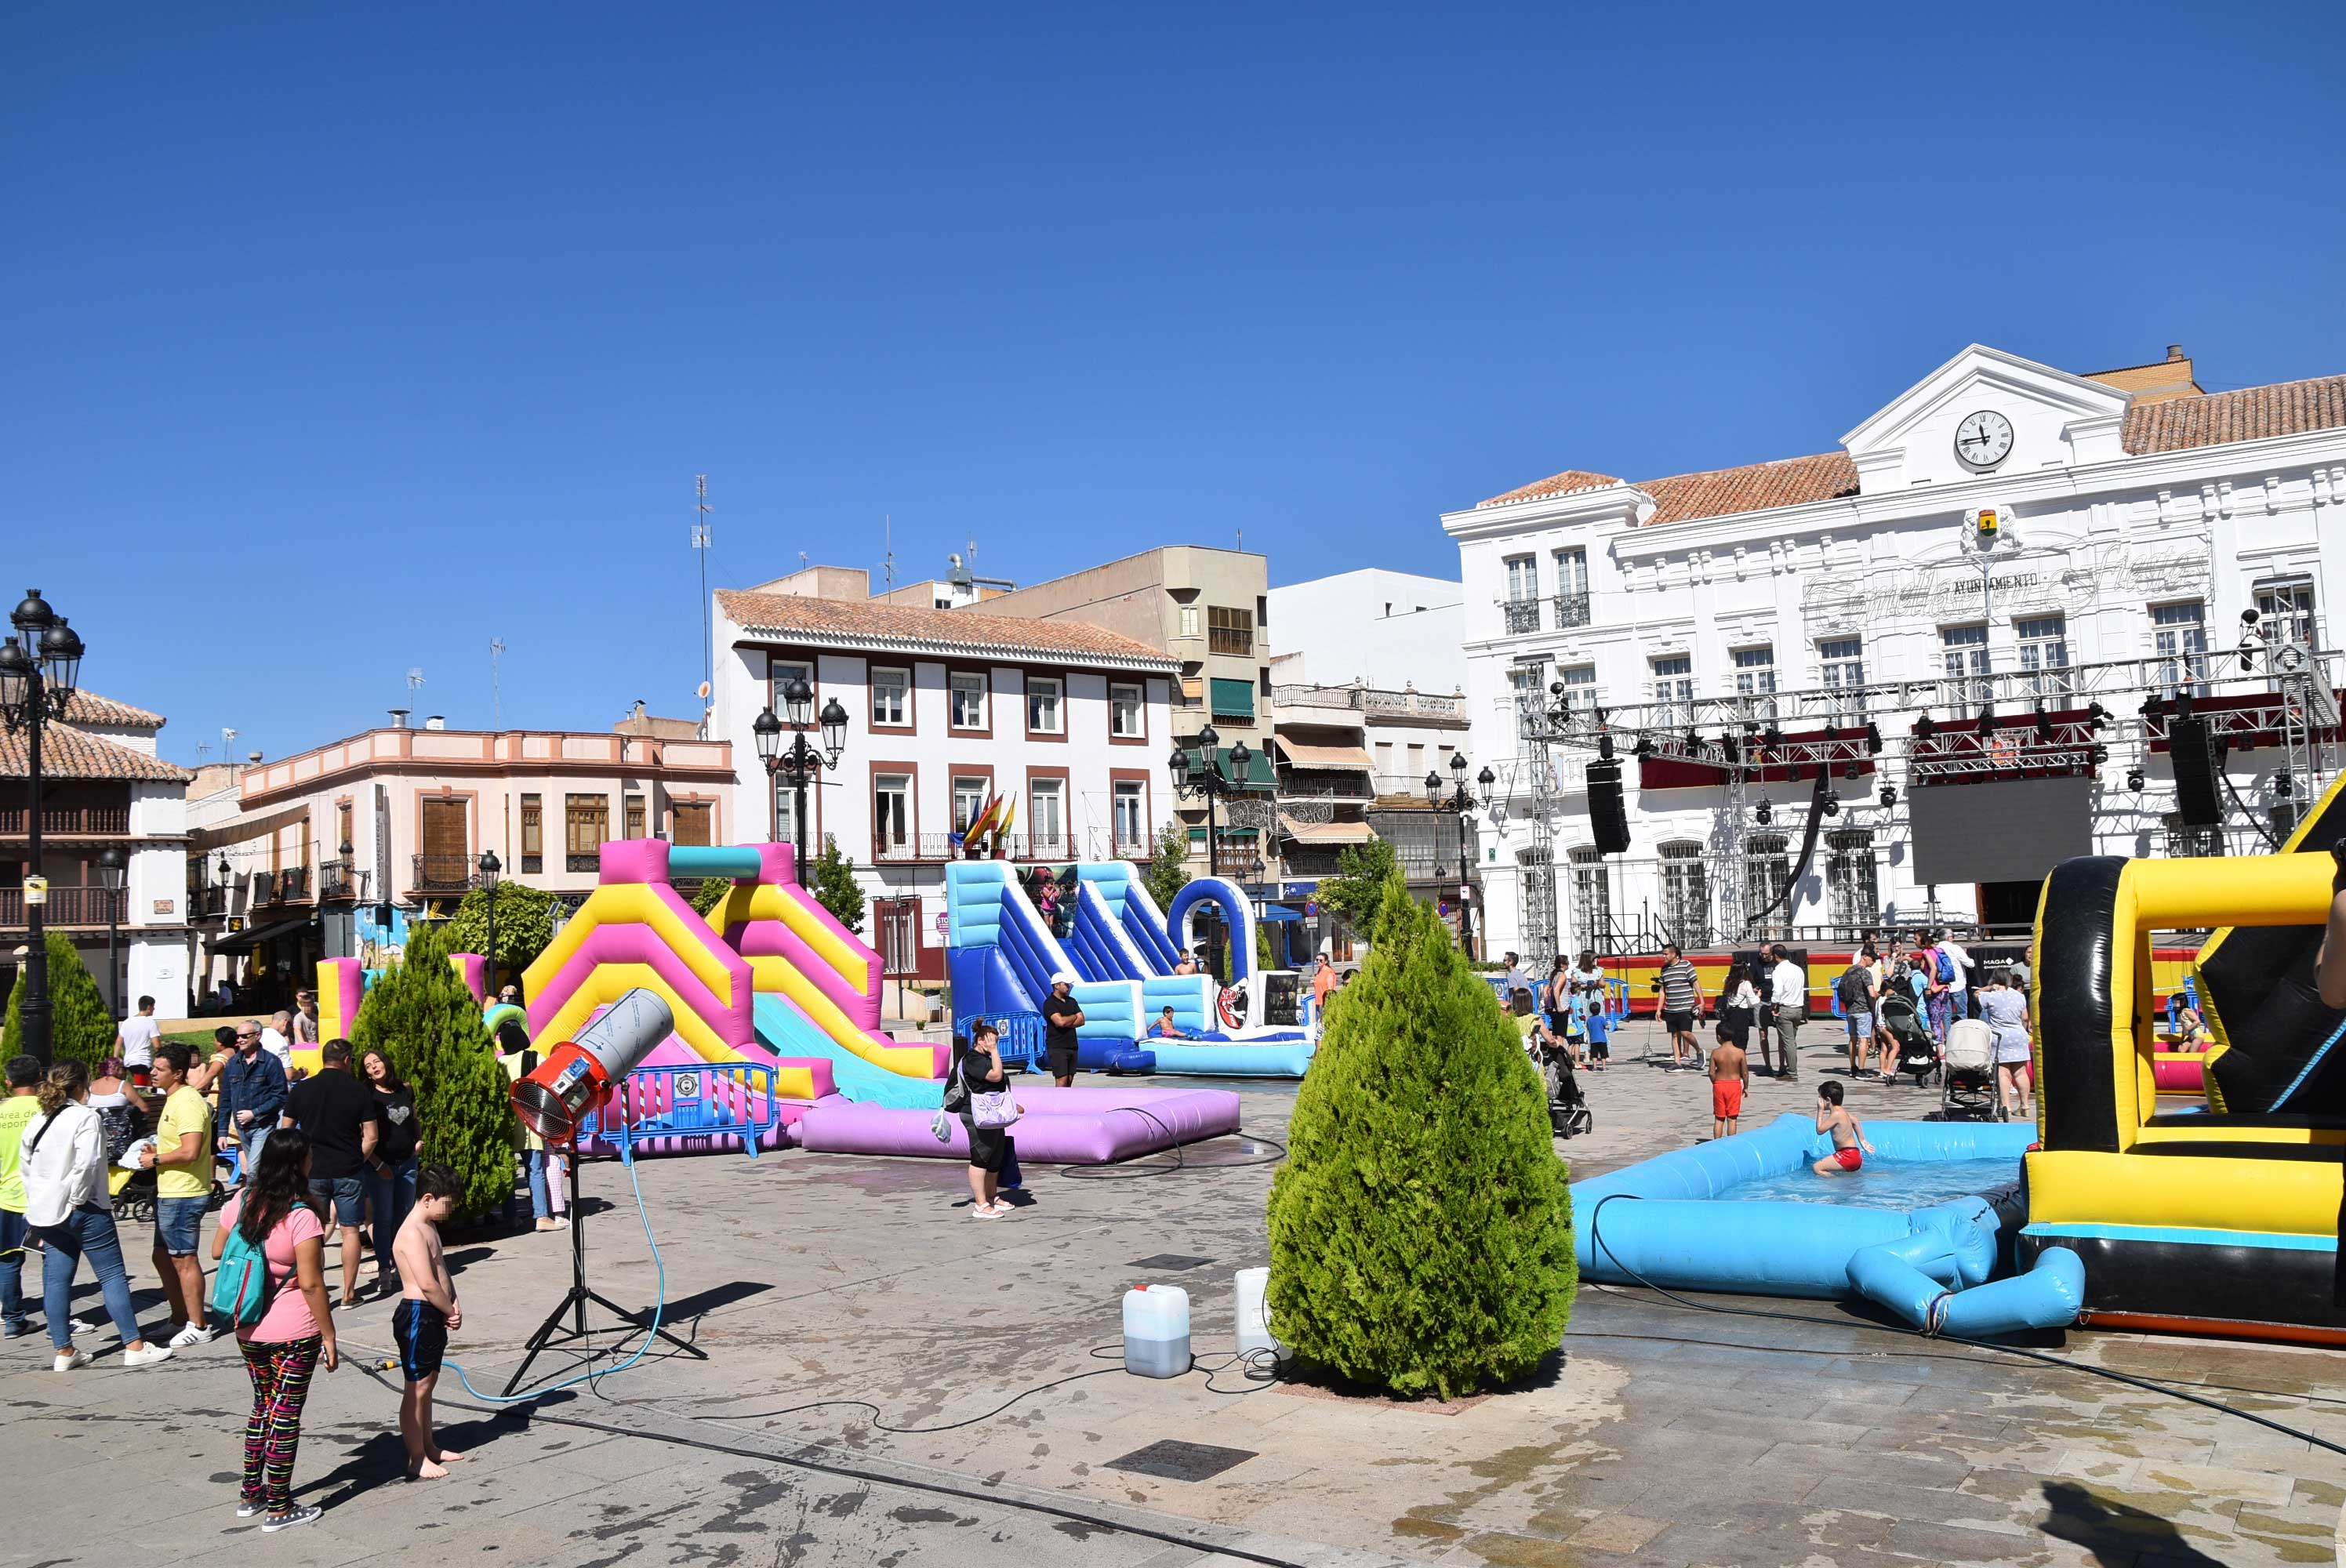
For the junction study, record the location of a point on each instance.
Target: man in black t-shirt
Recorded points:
(1061, 1019)
(338, 1113)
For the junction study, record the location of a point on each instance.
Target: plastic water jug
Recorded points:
(1254, 1313)
(1156, 1331)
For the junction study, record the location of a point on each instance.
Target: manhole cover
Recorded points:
(1168, 1262)
(1177, 1460)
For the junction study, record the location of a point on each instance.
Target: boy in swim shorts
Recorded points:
(427, 1310)
(1848, 1137)
(1730, 1075)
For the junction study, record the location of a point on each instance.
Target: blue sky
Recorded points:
(339, 342)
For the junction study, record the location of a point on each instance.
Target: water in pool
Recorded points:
(1883, 1184)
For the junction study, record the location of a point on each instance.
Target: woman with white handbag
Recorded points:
(986, 1116)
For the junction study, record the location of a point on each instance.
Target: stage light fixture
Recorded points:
(1763, 813)
(1889, 795)
(2100, 754)
(2284, 786)
(1924, 729)
(2182, 705)
(1833, 805)
(1555, 688)
(1872, 738)
(1644, 747)
(1986, 726)
(1727, 747)
(1775, 733)
(2134, 779)
(2097, 716)
(2043, 724)
(1849, 769)
(1605, 746)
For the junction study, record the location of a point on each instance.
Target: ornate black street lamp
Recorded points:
(1200, 774)
(39, 667)
(1461, 801)
(490, 867)
(801, 765)
(110, 867)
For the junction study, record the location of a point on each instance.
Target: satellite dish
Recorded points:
(703, 691)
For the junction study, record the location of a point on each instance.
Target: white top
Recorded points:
(1786, 981)
(67, 1169)
(1746, 995)
(1962, 961)
(277, 1046)
(139, 1034)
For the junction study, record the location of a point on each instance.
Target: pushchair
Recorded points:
(1967, 1087)
(1567, 1109)
(1916, 1052)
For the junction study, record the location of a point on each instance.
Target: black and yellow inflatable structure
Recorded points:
(2217, 1219)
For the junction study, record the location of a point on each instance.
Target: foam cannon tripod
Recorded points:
(576, 1079)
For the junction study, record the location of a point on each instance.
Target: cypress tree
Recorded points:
(421, 1014)
(1421, 1228)
(80, 1028)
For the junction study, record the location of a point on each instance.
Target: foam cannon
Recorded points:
(577, 1076)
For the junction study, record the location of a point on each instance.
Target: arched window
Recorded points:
(1592, 898)
(1685, 893)
(1852, 884)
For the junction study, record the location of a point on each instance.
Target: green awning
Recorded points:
(1259, 774)
(1232, 698)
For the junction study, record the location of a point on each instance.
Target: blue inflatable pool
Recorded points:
(1207, 1057)
(1746, 1215)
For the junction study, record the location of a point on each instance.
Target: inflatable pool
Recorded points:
(1061, 1126)
(1209, 1056)
(1918, 1230)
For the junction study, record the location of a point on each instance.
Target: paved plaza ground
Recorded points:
(1663, 1435)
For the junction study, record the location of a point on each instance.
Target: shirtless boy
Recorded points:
(427, 1311)
(1730, 1076)
(1848, 1137)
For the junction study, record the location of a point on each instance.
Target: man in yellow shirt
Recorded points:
(181, 1159)
(16, 1112)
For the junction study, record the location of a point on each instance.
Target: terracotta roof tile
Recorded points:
(2251, 413)
(1564, 483)
(903, 625)
(67, 753)
(1754, 487)
(88, 707)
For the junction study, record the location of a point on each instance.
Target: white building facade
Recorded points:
(2139, 518)
(947, 709)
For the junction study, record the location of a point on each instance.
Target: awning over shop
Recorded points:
(1325, 832)
(1329, 759)
(245, 941)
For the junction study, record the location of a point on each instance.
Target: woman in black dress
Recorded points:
(981, 1073)
(391, 1178)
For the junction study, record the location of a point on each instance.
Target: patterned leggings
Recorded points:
(1940, 1006)
(280, 1383)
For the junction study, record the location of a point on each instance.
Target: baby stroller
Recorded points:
(1916, 1052)
(1967, 1089)
(1567, 1108)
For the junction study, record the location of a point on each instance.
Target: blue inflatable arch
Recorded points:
(1238, 913)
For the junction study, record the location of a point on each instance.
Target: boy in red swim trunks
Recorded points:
(1848, 1137)
(1730, 1075)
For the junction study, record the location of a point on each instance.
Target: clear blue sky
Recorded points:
(345, 338)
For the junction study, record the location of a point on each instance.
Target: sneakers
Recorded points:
(14, 1330)
(68, 1359)
(245, 1509)
(193, 1334)
(984, 1211)
(278, 1521)
(146, 1356)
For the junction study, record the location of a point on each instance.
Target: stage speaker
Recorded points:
(2198, 792)
(1609, 818)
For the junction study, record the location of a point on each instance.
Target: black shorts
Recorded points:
(988, 1146)
(1678, 1023)
(1060, 1060)
(420, 1330)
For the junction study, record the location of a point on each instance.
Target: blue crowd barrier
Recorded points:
(689, 1100)
(1021, 1035)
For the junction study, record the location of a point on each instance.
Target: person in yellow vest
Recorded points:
(19, 1108)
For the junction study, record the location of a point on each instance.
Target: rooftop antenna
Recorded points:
(227, 738)
(700, 546)
(888, 553)
(496, 686)
(414, 681)
(803, 561)
(203, 750)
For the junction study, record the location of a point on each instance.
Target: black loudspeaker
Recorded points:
(2198, 790)
(1608, 818)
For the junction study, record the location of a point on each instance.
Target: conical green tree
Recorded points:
(80, 1029)
(426, 1020)
(1421, 1228)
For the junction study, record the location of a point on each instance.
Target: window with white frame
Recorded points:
(1579, 687)
(1965, 651)
(1674, 687)
(891, 815)
(1042, 715)
(1766, 866)
(779, 673)
(2178, 637)
(2286, 613)
(1572, 587)
(2045, 654)
(967, 697)
(1685, 893)
(969, 793)
(1592, 897)
(891, 697)
(1521, 608)
(1852, 884)
(1190, 622)
(1125, 719)
(1755, 677)
(786, 813)
(1842, 661)
(1046, 817)
(1129, 803)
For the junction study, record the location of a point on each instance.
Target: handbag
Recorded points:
(993, 1109)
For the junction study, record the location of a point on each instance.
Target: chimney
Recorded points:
(2174, 351)
(253, 758)
(399, 718)
(435, 722)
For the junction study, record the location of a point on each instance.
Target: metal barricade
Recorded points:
(695, 1100)
(1021, 1035)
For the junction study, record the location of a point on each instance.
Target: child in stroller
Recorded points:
(1901, 1025)
(1567, 1110)
(1967, 1088)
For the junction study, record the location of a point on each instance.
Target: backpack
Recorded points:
(1943, 966)
(241, 1291)
(1851, 988)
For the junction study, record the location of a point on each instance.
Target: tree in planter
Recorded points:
(525, 926)
(834, 886)
(1168, 871)
(421, 1014)
(1421, 1228)
(81, 1027)
(1357, 891)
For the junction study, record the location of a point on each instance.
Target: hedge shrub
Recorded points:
(80, 1028)
(426, 1019)
(1421, 1228)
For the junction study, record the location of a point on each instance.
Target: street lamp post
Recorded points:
(802, 764)
(39, 667)
(110, 867)
(1203, 776)
(490, 867)
(1460, 803)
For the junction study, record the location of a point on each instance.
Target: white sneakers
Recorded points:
(193, 1334)
(68, 1359)
(146, 1357)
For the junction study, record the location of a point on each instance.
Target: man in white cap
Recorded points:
(1061, 1019)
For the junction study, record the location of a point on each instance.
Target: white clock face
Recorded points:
(1984, 439)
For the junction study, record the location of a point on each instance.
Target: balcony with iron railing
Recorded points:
(1090, 844)
(442, 872)
(1520, 614)
(1325, 784)
(340, 879)
(1571, 610)
(66, 907)
(67, 821)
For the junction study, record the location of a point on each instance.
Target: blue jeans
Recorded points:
(251, 1141)
(544, 1181)
(12, 1237)
(391, 1192)
(87, 1232)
